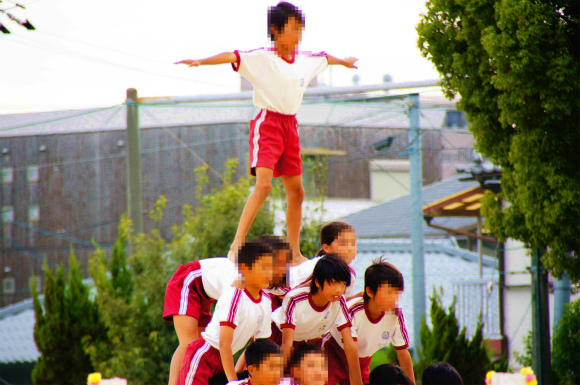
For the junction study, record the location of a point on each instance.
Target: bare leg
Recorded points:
(295, 196)
(255, 201)
(187, 332)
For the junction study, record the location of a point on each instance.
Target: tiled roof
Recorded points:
(446, 266)
(17, 333)
(391, 218)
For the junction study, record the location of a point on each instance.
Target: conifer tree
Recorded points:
(67, 315)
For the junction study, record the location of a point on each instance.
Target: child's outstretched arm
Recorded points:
(227, 356)
(222, 58)
(348, 62)
(406, 363)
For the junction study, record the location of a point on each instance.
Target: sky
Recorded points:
(85, 54)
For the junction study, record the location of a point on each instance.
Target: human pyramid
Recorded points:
(305, 323)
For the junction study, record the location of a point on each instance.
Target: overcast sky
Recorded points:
(87, 53)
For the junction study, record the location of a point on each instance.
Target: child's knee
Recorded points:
(296, 194)
(263, 189)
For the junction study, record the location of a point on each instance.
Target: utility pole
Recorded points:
(540, 321)
(134, 193)
(416, 182)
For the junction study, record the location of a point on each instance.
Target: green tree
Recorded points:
(66, 316)
(447, 342)
(566, 345)
(516, 66)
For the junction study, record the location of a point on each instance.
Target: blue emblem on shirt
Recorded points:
(385, 335)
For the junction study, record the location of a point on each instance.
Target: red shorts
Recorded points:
(274, 143)
(200, 362)
(185, 295)
(337, 361)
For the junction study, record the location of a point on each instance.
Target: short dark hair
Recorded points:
(329, 267)
(251, 251)
(379, 273)
(388, 374)
(330, 231)
(275, 242)
(441, 373)
(260, 350)
(299, 352)
(279, 15)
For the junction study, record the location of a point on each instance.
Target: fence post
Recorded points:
(134, 193)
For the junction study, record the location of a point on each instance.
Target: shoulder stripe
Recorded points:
(292, 305)
(234, 306)
(403, 328)
(352, 271)
(345, 310)
(355, 309)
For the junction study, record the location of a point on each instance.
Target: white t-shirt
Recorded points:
(283, 381)
(309, 321)
(217, 274)
(301, 273)
(279, 84)
(373, 335)
(249, 317)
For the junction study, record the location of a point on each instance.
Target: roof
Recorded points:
(391, 218)
(17, 333)
(466, 203)
(312, 113)
(447, 267)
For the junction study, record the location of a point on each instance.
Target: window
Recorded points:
(7, 175)
(8, 286)
(32, 174)
(7, 219)
(455, 119)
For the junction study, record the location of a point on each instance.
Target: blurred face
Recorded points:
(344, 246)
(269, 372)
(280, 268)
(332, 290)
(387, 297)
(313, 370)
(261, 272)
(291, 34)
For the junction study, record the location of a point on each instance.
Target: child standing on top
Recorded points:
(280, 75)
(376, 321)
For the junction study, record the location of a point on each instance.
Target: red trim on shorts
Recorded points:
(225, 323)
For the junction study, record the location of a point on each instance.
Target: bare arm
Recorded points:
(287, 342)
(351, 351)
(222, 58)
(406, 363)
(348, 62)
(241, 362)
(226, 354)
(359, 294)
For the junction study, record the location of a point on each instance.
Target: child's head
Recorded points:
(285, 24)
(264, 361)
(282, 255)
(338, 237)
(331, 276)
(441, 373)
(388, 374)
(255, 259)
(309, 366)
(383, 284)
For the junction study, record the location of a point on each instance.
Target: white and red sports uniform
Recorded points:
(195, 286)
(302, 273)
(236, 308)
(371, 335)
(279, 86)
(309, 321)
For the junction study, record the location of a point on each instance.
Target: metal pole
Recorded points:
(561, 297)
(134, 193)
(479, 246)
(416, 182)
(540, 322)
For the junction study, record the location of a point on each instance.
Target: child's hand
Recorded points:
(239, 284)
(349, 62)
(189, 62)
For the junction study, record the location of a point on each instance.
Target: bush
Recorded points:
(566, 345)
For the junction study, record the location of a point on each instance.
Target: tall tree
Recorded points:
(67, 315)
(516, 66)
